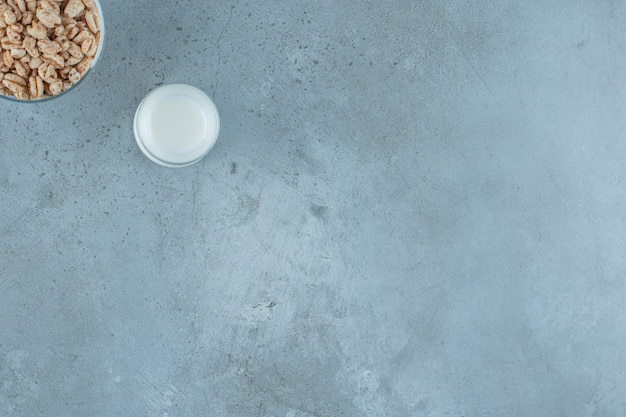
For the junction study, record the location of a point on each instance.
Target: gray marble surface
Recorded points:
(414, 208)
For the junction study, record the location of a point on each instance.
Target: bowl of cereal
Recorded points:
(47, 47)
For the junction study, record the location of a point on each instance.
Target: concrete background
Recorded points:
(414, 208)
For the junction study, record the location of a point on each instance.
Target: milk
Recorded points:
(176, 125)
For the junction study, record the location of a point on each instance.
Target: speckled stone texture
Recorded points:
(414, 208)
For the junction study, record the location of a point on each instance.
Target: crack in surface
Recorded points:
(217, 46)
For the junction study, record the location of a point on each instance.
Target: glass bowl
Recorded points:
(96, 58)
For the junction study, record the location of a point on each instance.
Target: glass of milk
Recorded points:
(176, 125)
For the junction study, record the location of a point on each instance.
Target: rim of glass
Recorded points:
(73, 87)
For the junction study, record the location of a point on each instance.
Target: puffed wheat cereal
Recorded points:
(55, 87)
(27, 18)
(46, 46)
(54, 60)
(37, 30)
(8, 59)
(50, 5)
(84, 65)
(35, 86)
(34, 62)
(9, 17)
(91, 4)
(20, 69)
(49, 18)
(74, 8)
(92, 21)
(21, 4)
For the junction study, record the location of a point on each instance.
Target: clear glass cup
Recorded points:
(91, 68)
(176, 125)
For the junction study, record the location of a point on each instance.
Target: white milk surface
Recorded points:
(177, 124)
